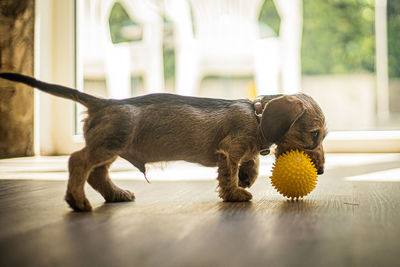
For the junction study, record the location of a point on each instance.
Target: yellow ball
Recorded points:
(294, 174)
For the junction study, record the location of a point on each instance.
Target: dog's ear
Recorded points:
(279, 115)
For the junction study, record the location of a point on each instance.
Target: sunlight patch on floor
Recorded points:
(56, 168)
(353, 159)
(381, 176)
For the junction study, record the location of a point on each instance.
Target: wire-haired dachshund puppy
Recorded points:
(229, 134)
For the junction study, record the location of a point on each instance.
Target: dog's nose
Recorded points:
(320, 171)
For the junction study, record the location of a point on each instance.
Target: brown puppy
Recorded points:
(229, 134)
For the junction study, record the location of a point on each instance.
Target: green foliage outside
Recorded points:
(118, 17)
(338, 35)
(394, 37)
(269, 16)
(117, 20)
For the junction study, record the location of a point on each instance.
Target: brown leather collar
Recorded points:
(258, 110)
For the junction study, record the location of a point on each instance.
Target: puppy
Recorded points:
(229, 134)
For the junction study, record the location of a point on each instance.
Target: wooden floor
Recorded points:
(352, 218)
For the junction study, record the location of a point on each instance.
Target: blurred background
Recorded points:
(344, 53)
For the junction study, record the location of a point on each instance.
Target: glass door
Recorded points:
(348, 55)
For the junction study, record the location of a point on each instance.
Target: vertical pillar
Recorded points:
(381, 55)
(16, 55)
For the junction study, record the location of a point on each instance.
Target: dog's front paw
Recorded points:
(120, 195)
(78, 203)
(236, 195)
(246, 177)
(244, 181)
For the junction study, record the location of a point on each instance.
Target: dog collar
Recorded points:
(258, 109)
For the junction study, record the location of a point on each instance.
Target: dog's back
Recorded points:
(170, 127)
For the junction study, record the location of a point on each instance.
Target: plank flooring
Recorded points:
(343, 222)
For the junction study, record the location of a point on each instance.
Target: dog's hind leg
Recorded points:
(100, 180)
(80, 165)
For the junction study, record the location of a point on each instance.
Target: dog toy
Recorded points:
(294, 174)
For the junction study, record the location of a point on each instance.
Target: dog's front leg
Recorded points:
(229, 156)
(248, 172)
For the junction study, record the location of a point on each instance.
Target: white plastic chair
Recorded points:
(226, 41)
(117, 62)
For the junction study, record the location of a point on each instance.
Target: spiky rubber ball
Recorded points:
(294, 174)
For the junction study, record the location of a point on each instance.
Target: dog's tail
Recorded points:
(54, 89)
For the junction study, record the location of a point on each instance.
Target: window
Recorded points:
(127, 48)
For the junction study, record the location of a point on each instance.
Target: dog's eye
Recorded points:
(314, 135)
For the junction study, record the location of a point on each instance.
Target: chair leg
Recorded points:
(187, 72)
(154, 77)
(267, 65)
(118, 74)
